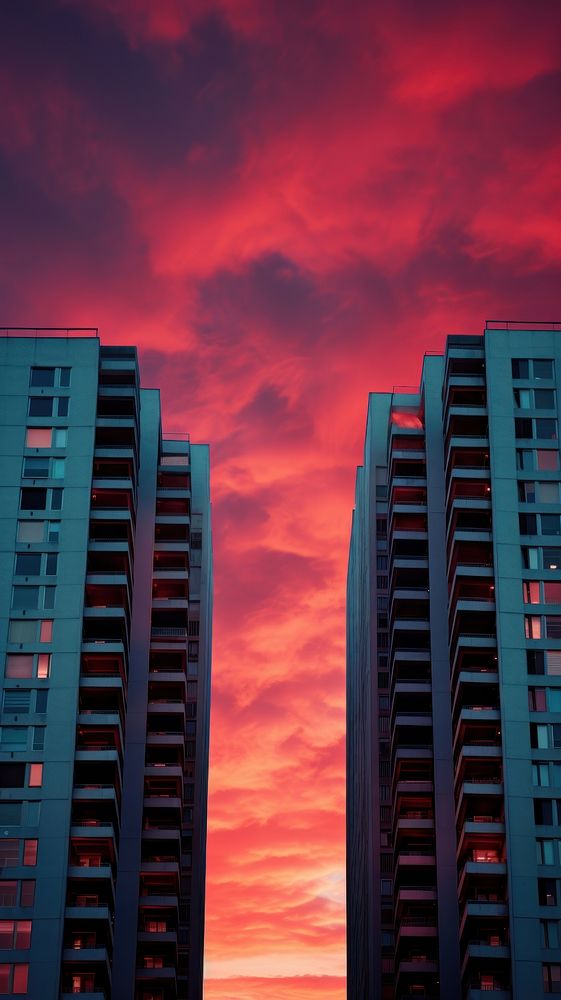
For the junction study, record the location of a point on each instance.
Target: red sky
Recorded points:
(283, 204)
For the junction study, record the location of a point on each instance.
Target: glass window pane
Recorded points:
(23, 934)
(51, 564)
(42, 376)
(56, 499)
(551, 558)
(44, 665)
(27, 896)
(543, 368)
(65, 377)
(36, 468)
(46, 631)
(62, 409)
(38, 437)
(22, 631)
(41, 406)
(58, 466)
(549, 492)
(544, 399)
(551, 524)
(49, 598)
(552, 591)
(33, 499)
(546, 428)
(548, 460)
(20, 978)
(28, 564)
(53, 532)
(59, 437)
(35, 775)
(31, 531)
(520, 368)
(30, 852)
(25, 597)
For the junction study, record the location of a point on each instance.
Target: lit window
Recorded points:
(35, 775)
(30, 853)
(46, 633)
(19, 665)
(21, 972)
(38, 437)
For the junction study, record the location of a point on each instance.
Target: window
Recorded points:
(531, 591)
(546, 852)
(62, 407)
(30, 853)
(28, 564)
(9, 853)
(31, 531)
(56, 499)
(42, 377)
(33, 499)
(528, 524)
(51, 563)
(13, 979)
(25, 597)
(527, 492)
(58, 468)
(13, 737)
(523, 399)
(533, 626)
(10, 812)
(35, 468)
(16, 700)
(38, 437)
(550, 524)
(46, 632)
(552, 592)
(19, 664)
(53, 532)
(537, 700)
(27, 894)
(44, 661)
(41, 697)
(60, 435)
(542, 368)
(523, 427)
(530, 557)
(35, 775)
(553, 626)
(547, 460)
(544, 399)
(12, 775)
(553, 662)
(41, 406)
(549, 933)
(524, 459)
(64, 380)
(551, 558)
(520, 368)
(547, 892)
(551, 978)
(546, 427)
(8, 893)
(540, 774)
(543, 812)
(549, 492)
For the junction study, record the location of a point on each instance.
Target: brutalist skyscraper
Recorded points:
(105, 642)
(454, 679)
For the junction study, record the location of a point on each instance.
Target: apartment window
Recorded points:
(36, 468)
(12, 774)
(16, 700)
(547, 460)
(28, 564)
(542, 368)
(527, 492)
(537, 700)
(13, 978)
(546, 428)
(543, 812)
(551, 977)
(381, 562)
(32, 598)
(42, 377)
(523, 427)
(30, 853)
(38, 437)
(532, 626)
(386, 886)
(544, 399)
(530, 557)
(553, 626)
(540, 774)
(552, 592)
(546, 852)
(523, 399)
(520, 368)
(13, 737)
(8, 893)
(551, 558)
(549, 933)
(550, 524)
(528, 524)
(547, 892)
(41, 406)
(15, 934)
(531, 591)
(27, 892)
(23, 665)
(35, 775)
(548, 492)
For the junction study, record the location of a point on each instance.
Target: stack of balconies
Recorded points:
(96, 796)
(161, 925)
(477, 744)
(415, 898)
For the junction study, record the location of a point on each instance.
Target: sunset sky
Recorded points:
(283, 203)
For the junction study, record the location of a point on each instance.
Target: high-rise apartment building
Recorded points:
(454, 679)
(105, 645)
